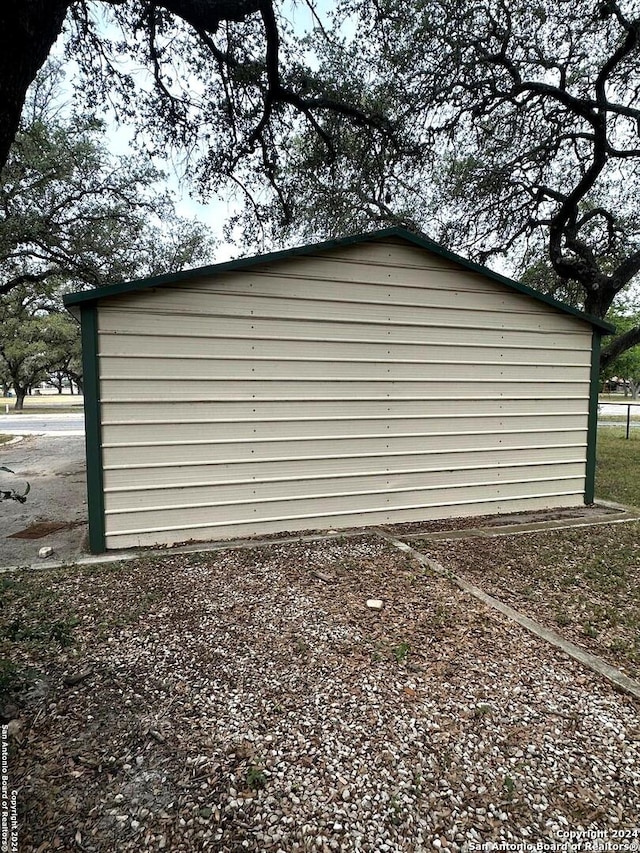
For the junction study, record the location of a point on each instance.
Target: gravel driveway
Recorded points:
(249, 700)
(55, 468)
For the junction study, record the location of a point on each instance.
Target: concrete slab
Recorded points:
(55, 469)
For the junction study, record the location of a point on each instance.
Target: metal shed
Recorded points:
(373, 379)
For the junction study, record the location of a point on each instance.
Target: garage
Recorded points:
(373, 379)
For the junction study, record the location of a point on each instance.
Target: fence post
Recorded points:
(628, 419)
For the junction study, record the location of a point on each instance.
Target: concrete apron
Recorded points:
(621, 515)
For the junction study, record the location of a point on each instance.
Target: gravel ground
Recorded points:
(249, 700)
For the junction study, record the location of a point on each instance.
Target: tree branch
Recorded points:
(27, 278)
(619, 345)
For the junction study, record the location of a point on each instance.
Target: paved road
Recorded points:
(71, 423)
(619, 409)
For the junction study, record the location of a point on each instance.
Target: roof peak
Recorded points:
(417, 238)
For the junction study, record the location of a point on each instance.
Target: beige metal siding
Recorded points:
(372, 384)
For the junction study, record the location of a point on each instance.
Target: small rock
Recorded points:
(45, 552)
(374, 603)
(13, 728)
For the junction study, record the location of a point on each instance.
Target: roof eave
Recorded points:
(75, 300)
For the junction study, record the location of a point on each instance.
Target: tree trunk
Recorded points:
(20, 395)
(28, 31)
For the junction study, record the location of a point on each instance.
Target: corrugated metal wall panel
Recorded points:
(377, 383)
(455, 334)
(423, 512)
(276, 448)
(265, 489)
(167, 475)
(169, 369)
(190, 390)
(234, 304)
(137, 435)
(136, 344)
(323, 508)
(330, 268)
(150, 412)
(255, 286)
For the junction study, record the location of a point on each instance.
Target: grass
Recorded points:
(5, 438)
(256, 778)
(618, 466)
(47, 403)
(401, 651)
(582, 582)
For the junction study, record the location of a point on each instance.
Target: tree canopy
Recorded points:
(627, 365)
(500, 127)
(519, 126)
(223, 79)
(74, 215)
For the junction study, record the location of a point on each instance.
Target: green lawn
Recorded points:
(47, 403)
(618, 465)
(617, 398)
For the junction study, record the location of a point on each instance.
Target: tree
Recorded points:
(23, 348)
(36, 342)
(350, 179)
(75, 216)
(72, 212)
(524, 140)
(627, 365)
(64, 348)
(225, 78)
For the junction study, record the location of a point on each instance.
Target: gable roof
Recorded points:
(83, 297)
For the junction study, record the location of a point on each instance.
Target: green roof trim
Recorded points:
(418, 239)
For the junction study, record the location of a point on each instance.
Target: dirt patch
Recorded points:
(249, 700)
(44, 528)
(497, 520)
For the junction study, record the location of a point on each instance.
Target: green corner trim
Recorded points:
(71, 300)
(93, 429)
(592, 428)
